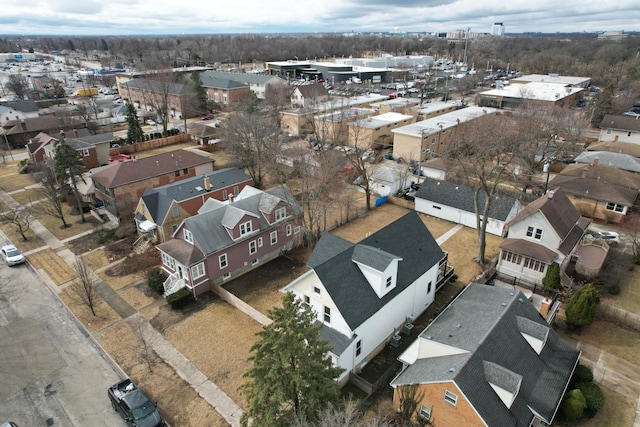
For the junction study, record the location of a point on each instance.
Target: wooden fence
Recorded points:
(240, 305)
(149, 145)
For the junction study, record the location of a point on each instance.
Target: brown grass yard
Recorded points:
(629, 297)
(119, 282)
(105, 315)
(462, 248)
(15, 181)
(619, 410)
(217, 340)
(54, 225)
(49, 261)
(27, 196)
(11, 232)
(95, 259)
(612, 338)
(177, 401)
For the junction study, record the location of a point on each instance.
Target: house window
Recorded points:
(429, 288)
(534, 265)
(224, 194)
(450, 397)
(614, 207)
(235, 190)
(358, 348)
(168, 261)
(253, 247)
(188, 236)
(307, 301)
(274, 237)
(259, 242)
(608, 131)
(316, 290)
(628, 133)
(511, 257)
(289, 229)
(536, 233)
(174, 227)
(281, 213)
(245, 228)
(85, 152)
(222, 260)
(175, 211)
(255, 261)
(177, 173)
(327, 315)
(197, 271)
(297, 230)
(226, 276)
(185, 171)
(425, 412)
(388, 281)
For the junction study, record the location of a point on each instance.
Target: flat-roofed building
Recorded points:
(541, 93)
(375, 131)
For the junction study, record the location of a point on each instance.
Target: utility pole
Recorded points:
(466, 42)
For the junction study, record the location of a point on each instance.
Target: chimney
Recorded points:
(596, 160)
(61, 133)
(544, 307)
(550, 194)
(231, 197)
(75, 133)
(24, 125)
(584, 172)
(207, 183)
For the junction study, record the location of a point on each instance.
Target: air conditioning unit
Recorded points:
(395, 341)
(407, 329)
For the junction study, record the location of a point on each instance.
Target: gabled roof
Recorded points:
(606, 158)
(556, 208)
(314, 90)
(209, 231)
(621, 123)
(248, 78)
(39, 141)
(483, 330)
(598, 182)
(159, 86)
(332, 260)
(616, 147)
(24, 105)
(461, 197)
(220, 83)
(97, 138)
(158, 200)
(183, 252)
(33, 124)
(124, 173)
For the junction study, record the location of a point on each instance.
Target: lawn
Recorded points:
(12, 234)
(462, 248)
(619, 410)
(54, 225)
(16, 181)
(612, 338)
(105, 315)
(27, 196)
(177, 400)
(55, 267)
(629, 297)
(377, 218)
(95, 259)
(119, 282)
(217, 340)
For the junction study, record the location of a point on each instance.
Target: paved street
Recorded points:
(52, 372)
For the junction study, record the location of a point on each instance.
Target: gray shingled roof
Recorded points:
(248, 78)
(372, 257)
(405, 238)
(606, 158)
(159, 86)
(461, 197)
(158, 200)
(208, 229)
(623, 123)
(483, 320)
(217, 83)
(338, 341)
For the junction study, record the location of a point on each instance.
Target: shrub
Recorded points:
(593, 396)
(105, 235)
(551, 279)
(155, 280)
(582, 374)
(573, 405)
(614, 290)
(180, 299)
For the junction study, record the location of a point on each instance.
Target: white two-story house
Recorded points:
(364, 293)
(545, 231)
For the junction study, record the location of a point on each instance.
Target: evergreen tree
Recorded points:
(200, 93)
(551, 279)
(581, 306)
(291, 370)
(134, 132)
(68, 168)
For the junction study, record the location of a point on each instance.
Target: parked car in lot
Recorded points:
(133, 405)
(12, 255)
(150, 122)
(611, 237)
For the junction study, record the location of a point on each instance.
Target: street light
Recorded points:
(545, 169)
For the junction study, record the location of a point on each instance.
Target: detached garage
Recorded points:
(454, 202)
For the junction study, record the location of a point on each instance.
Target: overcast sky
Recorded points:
(126, 17)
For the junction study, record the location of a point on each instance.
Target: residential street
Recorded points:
(52, 372)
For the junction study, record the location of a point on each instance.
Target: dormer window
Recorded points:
(245, 228)
(281, 214)
(188, 236)
(388, 281)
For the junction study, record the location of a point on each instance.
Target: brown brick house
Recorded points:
(226, 240)
(224, 91)
(121, 185)
(488, 359)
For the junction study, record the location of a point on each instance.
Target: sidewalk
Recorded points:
(205, 388)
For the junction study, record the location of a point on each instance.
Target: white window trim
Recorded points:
(246, 228)
(197, 271)
(253, 247)
(220, 261)
(450, 398)
(188, 236)
(259, 242)
(425, 412)
(226, 275)
(289, 229)
(281, 213)
(168, 261)
(273, 237)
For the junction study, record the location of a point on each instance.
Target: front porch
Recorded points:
(174, 283)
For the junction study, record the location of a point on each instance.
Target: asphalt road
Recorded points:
(51, 372)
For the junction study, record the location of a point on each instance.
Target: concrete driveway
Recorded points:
(52, 373)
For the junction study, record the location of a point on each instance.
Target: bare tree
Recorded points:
(50, 191)
(141, 331)
(483, 152)
(19, 216)
(17, 84)
(84, 288)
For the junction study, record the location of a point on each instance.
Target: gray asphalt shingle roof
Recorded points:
(406, 238)
(487, 322)
(461, 197)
